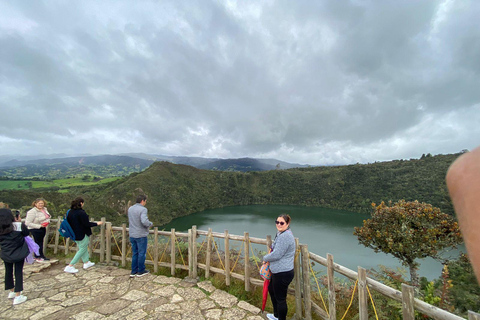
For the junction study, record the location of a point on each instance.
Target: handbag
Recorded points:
(265, 271)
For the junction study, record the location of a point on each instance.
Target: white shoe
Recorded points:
(19, 299)
(70, 269)
(11, 295)
(88, 264)
(271, 316)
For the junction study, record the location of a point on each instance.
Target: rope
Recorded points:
(221, 262)
(318, 287)
(116, 243)
(166, 246)
(373, 304)
(238, 257)
(253, 255)
(351, 300)
(180, 251)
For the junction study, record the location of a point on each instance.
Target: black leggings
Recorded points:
(38, 236)
(278, 293)
(18, 287)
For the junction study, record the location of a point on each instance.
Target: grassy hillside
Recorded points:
(177, 190)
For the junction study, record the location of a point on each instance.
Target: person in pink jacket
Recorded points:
(36, 221)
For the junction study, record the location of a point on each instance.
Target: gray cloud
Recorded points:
(311, 82)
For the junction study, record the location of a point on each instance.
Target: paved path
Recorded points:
(107, 292)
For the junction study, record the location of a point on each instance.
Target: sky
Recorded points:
(310, 82)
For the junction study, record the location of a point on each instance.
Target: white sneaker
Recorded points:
(11, 295)
(88, 264)
(271, 316)
(70, 269)
(19, 299)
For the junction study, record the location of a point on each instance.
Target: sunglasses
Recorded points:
(279, 222)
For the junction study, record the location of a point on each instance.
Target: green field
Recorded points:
(61, 184)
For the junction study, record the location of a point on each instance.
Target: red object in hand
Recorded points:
(44, 224)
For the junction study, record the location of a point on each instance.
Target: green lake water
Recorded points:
(323, 230)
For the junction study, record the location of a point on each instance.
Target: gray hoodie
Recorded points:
(283, 252)
(138, 221)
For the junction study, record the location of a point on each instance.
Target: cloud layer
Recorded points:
(318, 82)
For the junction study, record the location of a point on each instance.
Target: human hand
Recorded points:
(44, 224)
(463, 182)
(99, 223)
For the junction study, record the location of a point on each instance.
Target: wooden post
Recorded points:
(306, 282)
(247, 261)
(108, 241)
(269, 243)
(297, 281)
(190, 254)
(209, 253)
(331, 287)
(45, 239)
(172, 252)
(473, 315)
(227, 259)
(124, 245)
(362, 294)
(194, 253)
(102, 240)
(408, 309)
(155, 249)
(57, 235)
(67, 242)
(90, 244)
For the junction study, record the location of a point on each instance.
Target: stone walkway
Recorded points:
(107, 292)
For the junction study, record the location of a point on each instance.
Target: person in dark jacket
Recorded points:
(14, 251)
(81, 225)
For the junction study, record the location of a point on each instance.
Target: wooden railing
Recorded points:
(112, 244)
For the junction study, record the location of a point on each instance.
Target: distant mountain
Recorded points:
(103, 166)
(124, 164)
(241, 164)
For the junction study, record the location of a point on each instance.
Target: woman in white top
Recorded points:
(37, 220)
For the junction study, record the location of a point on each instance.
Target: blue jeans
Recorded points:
(139, 254)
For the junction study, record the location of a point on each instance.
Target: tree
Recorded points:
(409, 231)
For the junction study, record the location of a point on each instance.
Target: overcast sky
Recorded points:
(317, 82)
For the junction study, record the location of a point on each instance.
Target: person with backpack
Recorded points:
(13, 253)
(81, 225)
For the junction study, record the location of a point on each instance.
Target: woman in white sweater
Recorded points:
(37, 220)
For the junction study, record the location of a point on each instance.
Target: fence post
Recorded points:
(172, 252)
(124, 245)
(45, 239)
(473, 315)
(247, 261)
(331, 287)
(408, 309)
(67, 243)
(306, 282)
(108, 241)
(194, 253)
(90, 244)
(298, 281)
(57, 235)
(227, 259)
(209, 253)
(362, 294)
(102, 240)
(190, 254)
(155, 248)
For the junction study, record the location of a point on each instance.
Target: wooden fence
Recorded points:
(112, 243)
